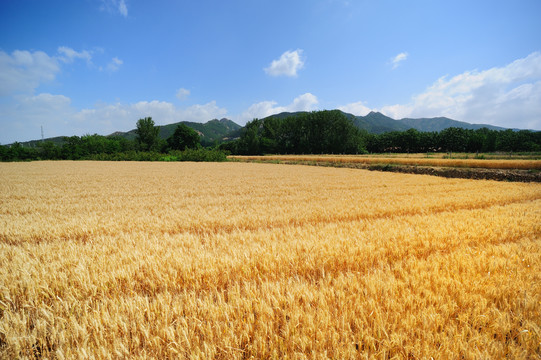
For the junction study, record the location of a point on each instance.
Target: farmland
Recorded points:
(240, 260)
(523, 167)
(404, 159)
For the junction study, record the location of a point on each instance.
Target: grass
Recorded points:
(238, 260)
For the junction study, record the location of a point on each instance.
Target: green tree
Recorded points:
(248, 143)
(72, 148)
(48, 150)
(454, 139)
(17, 152)
(429, 141)
(476, 139)
(340, 134)
(505, 140)
(183, 138)
(4, 153)
(147, 134)
(408, 141)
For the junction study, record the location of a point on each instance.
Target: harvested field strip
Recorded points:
(463, 163)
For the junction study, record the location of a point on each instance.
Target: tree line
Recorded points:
(318, 132)
(183, 145)
(454, 140)
(331, 132)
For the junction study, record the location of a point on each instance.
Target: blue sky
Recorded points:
(96, 66)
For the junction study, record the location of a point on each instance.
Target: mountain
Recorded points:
(377, 123)
(211, 131)
(374, 122)
(225, 129)
(57, 140)
(442, 123)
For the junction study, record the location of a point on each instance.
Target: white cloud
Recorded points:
(508, 96)
(203, 113)
(24, 71)
(304, 102)
(23, 112)
(67, 55)
(397, 111)
(114, 65)
(115, 6)
(398, 59)
(357, 108)
(122, 8)
(287, 65)
(23, 117)
(182, 94)
(45, 100)
(106, 118)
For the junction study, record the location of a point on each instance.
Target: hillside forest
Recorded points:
(331, 132)
(318, 132)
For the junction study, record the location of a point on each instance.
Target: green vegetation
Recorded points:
(183, 138)
(147, 135)
(333, 132)
(377, 123)
(199, 154)
(454, 140)
(183, 145)
(210, 133)
(318, 132)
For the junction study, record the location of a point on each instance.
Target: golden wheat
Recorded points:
(237, 260)
(402, 159)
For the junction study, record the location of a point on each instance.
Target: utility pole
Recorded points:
(42, 137)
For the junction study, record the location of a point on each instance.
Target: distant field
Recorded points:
(522, 162)
(443, 155)
(243, 260)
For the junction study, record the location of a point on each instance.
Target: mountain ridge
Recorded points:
(210, 131)
(219, 130)
(376, 122)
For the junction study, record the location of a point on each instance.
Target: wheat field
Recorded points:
(113, 260)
